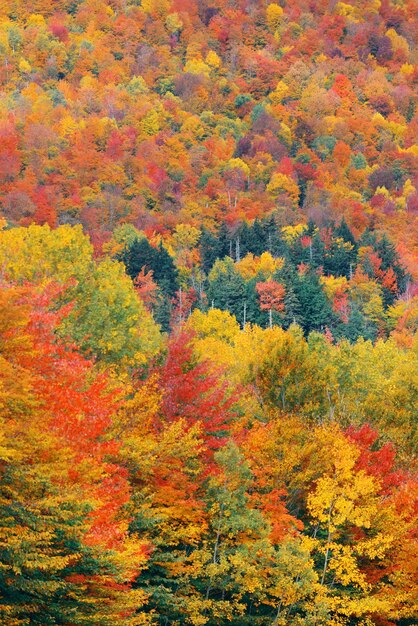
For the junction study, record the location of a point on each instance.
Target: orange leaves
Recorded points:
(74, 404)
(271, 295)
(193, 391)
(10, 159)
(273, 506)
(146, 288)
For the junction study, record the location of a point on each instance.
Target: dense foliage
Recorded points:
(208, 315)
(167, 112)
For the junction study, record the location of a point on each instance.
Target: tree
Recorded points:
(65, 554)
(141, 254)
(194, 391)
(107, 319)
(315, 311)
(210, 249)
(271, 294)
(227, 288)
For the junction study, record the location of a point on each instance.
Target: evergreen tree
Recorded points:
(340, 258)
(274, 241)
(315, 311)
(165, 272)
(141, 254)
(227, 289)
(343, 231)
(390, 258)
(225, 242)
(254, 315)
(210, 249)
(258, 241)
(357, 326)
(292, 308)
(318, 250)
(240, 242)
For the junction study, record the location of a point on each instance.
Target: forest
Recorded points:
(208, 313)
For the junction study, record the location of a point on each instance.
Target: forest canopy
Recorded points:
(208, 313)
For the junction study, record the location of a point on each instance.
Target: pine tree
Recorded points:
(390, 259)
(343, 231)
(257, 238)
(358, 325)
(225, 242)
(227, 288)
(141, 254)
(292, 306)
(210, 249)
(274, 242)
(315, 311)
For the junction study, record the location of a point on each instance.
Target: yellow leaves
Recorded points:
(345, 568)
(263, 266)
(376, 547)
(321, 58)
(69, 125)
(24, 66)
(368, 295)
(197, 66)
(155, 7)
(411, 150)
(173, 22)
(215, 323)
(382, 191)
(408, 188)
(137, 85)
(216, 331)
(123, 235)
(285, 133)
(343, 495)
(102, 128)
(279, 93)
(193, 126)
(150, 123)
(185, 236)
(281, 183)
(113, 317)
(238, 164)
(397, 129)
(349, 11)
(398, 42)
(334, 285)
(290, 233)
(407, 69)
(183, 247)
(274, 15)
(36, 19)
(213, 60)
(37, 253)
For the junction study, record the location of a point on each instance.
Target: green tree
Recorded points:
(315, 312)
(227, 289)
(139, 253)
(108, 319)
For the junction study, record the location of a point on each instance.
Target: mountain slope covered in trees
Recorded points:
(208, 313)
(162, 113)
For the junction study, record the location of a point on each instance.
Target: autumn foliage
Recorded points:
(208, 313)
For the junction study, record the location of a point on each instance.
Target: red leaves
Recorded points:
(146, 288)
(271, 295)
(379, 462)
(273, 505)
(196, 392)
(10, 160)
(74, 409)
